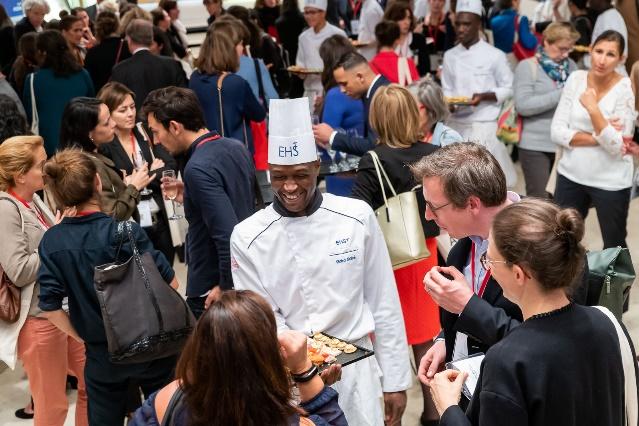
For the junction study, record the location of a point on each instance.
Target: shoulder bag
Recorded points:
(219, 99)
(611, 276)
(519, 50)
(400, 222)
(144, 318)
(9, 292)
(35, 121)
(510, 125)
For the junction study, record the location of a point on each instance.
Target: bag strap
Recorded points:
(533, 67)
(175, 402)
(34, 108)
(260, 83)
(117, 57)
(19, 211)
(219, 98)
(380, 171)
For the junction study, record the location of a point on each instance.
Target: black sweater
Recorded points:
(559, 369)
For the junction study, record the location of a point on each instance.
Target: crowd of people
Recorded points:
(108, 117)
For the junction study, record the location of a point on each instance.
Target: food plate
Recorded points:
(299, 70)
(358, 44)
(581, 48)
(318, 345)
(458, 100)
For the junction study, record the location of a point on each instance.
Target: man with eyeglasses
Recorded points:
(309, 43)
(464, 188)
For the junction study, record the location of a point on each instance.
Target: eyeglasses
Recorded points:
(434, 209)
(487, 263)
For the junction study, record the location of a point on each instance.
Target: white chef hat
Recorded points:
(471, 6)
(316, 4)
(290, 139)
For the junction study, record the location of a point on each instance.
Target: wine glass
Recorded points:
(171, 191)
(138, 163)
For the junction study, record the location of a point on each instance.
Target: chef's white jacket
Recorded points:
(309, 43)
(479, 69)
(372, 14)
(327, 272)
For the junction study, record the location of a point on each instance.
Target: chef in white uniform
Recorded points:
(478, 70)
(322, 263)
(309, 44)
(372, 14)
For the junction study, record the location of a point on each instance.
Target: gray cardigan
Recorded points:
(536, 98)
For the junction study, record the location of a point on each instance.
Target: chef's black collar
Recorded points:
(312, 207)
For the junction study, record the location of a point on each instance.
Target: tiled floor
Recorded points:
(14, 389)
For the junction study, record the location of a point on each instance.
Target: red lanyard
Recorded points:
(87, 212)
(433, 31)
(134, 152)
(482, 287)
(356, 6)
(39, 215)
(209, 139)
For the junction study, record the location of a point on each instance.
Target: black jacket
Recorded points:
(360, 145)
(488, 319)
(395, 162)
(22, 27)
(145, 72)
(289, 26)
(101, 59)
(8, 51)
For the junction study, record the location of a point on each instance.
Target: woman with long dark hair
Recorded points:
(236, 370)
(59, 79)
(87, 125)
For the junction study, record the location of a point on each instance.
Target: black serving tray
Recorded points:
(344, 359)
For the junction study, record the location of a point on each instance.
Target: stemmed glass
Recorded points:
(138, 163)
(171, 190)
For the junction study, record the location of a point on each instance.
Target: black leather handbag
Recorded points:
(144, 318)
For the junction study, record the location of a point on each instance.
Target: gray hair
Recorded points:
(140, 31)
(430, 94)
(27, 5)
(465, 169)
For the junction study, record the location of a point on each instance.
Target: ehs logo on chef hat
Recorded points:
(316, 4)
(290, 139)
(470, 6)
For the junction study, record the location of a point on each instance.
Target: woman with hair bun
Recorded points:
(566, 364)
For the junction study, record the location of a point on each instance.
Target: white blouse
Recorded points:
(602, 166)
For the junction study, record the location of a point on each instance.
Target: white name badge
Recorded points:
(144, 209)
(355, 26)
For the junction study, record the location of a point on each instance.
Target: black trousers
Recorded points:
(611, 206)
(107, 384)
(196, 305)
(160, 236)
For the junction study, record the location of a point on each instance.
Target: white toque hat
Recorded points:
(471, 6)
(290, 139)
(317, 4)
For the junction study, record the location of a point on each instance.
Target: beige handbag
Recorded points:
(400, 222)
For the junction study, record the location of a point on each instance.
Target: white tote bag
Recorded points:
(35, 123)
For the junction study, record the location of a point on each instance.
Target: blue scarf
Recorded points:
(557, 71)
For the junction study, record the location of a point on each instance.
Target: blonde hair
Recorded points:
(560, 31)
(394, 116)
(135, 12)
(17, 157)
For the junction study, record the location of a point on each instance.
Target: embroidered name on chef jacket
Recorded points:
(286, 152)
(344, 252)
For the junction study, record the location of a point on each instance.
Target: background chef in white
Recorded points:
(309, 43)
(322, 263)
(478, 70)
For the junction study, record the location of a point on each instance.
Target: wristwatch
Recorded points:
(306, 375)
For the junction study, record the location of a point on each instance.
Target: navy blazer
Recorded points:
(488, 319)
(239, 104)
(360, 145)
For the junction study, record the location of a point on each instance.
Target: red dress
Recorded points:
(421, 313)
(385, 63)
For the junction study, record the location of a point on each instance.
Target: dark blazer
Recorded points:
(239, 104)
(360, 145)
(92, 11)
(22, 27)
(488, 319)
(395, 162)
(145, 72)
(101, 59)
